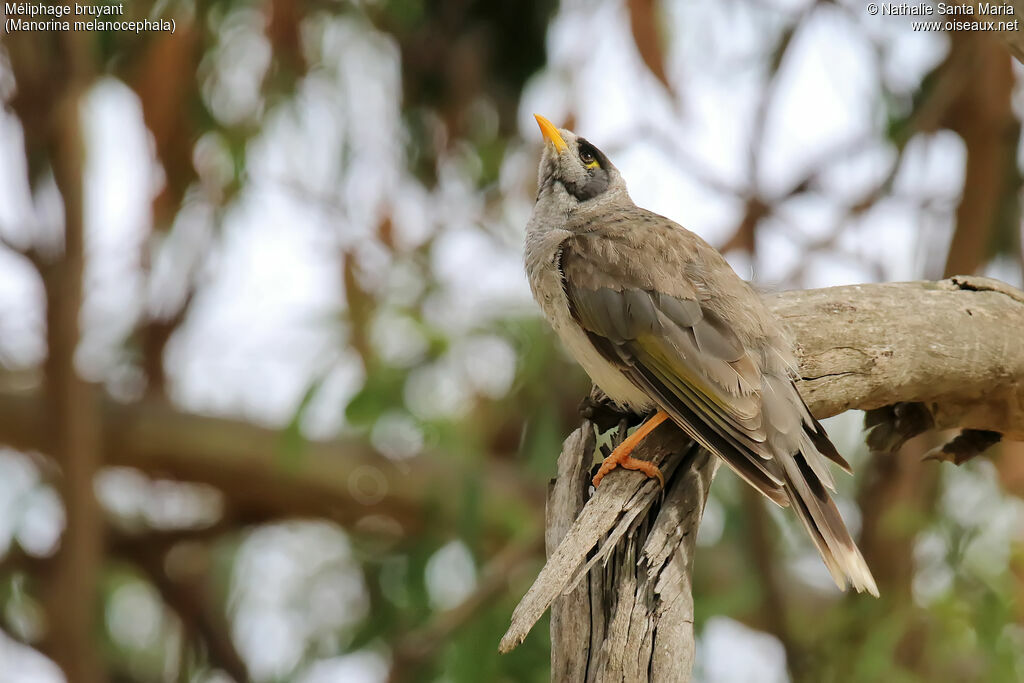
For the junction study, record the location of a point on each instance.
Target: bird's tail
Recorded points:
(819, 515)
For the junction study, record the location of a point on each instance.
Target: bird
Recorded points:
(666, 328)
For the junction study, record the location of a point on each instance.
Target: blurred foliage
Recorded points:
(210, 91)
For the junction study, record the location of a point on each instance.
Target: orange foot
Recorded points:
(621, 457)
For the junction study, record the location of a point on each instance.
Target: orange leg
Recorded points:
(621, 457)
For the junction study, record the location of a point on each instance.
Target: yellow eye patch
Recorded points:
(589, 157)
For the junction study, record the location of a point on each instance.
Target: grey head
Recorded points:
(575, 177)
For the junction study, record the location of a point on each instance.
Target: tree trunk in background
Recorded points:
(982, 116)
(72, 591)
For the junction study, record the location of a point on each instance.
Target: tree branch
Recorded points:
(189, 599)
(950, 345)
(416, 647)
(1014, 39)
(72, 595)
(632, 616)
(342, 480)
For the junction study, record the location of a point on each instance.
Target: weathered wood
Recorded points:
(954, 345)
(620, 589)
(646, 587)
(618, 575)
(570, 634)
(617, 504)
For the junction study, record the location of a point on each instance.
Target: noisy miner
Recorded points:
(664, 326)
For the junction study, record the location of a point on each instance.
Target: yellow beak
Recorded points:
(550, 132)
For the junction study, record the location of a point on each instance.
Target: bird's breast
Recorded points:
(546, 284)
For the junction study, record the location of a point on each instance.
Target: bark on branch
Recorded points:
(952, 346)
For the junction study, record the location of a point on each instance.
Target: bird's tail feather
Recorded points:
(820, 516)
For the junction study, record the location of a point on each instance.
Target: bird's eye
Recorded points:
(588, 157)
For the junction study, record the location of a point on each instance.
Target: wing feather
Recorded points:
(700, 388)
(692, 364)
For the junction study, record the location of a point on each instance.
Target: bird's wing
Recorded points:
(683, 356)
(693, 364)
